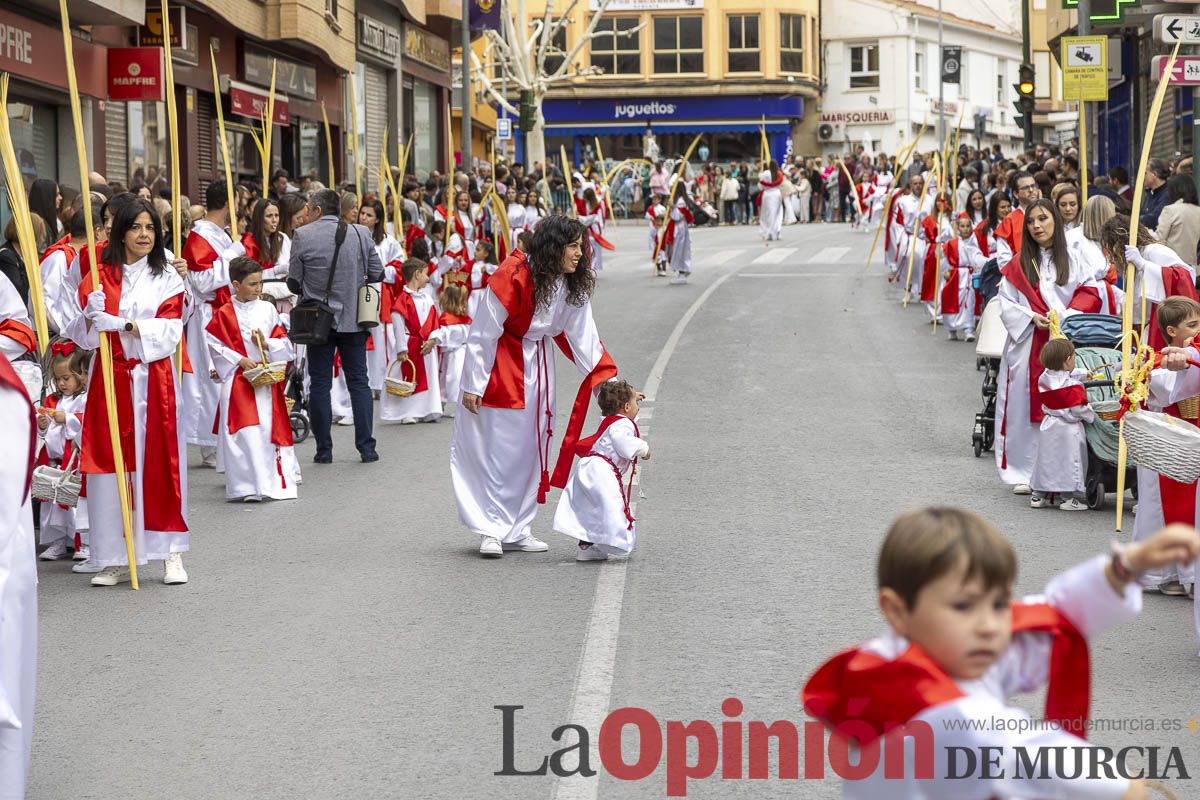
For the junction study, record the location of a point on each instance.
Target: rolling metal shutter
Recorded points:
(116, 142)
(206, 141)
(376, 97)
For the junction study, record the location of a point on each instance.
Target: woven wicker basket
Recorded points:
(1107, 409)
(266, 374)
(1167, 446)
(399, 386)
(55, 485)
(1189, 408)
(291, 403)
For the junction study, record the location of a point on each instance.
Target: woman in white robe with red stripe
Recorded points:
(16, 328)
(770, 214)
(500, 452)
(18, 585)
(593, 217)
(139, 306)
(1040, 279)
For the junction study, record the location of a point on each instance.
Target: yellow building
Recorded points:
(673, 70)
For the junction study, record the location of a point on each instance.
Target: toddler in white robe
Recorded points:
(60, 424)
(594, 508)
(454, 326)
(957, 648)
(1060, 456)
(415, 320)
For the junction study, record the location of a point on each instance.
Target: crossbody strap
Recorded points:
(337, 248)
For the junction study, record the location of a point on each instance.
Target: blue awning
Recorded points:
(697, 126)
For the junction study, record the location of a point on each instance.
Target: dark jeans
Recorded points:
(353, 349)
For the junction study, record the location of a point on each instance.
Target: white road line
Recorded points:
(829, 255)
(795, 275)
(775, 255)
(593, 681)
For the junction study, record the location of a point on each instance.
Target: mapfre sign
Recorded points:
(135, 73)
(874, 116)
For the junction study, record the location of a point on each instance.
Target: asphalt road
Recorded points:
(353, 644)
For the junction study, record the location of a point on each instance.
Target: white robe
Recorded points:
(54, 269)
(494, 460)
(896, 246)
(770, 214)
(1016, 442)
(426, 405)
(60, 523)
(533, 217)
(452, 345)
(12, 307)
(254, 465)
(1084, 596)
(595, 224)
(969, 260)
(382, 339)
(1061, 459)
(516, 223)
(141, 295)
(1087, 253)
(681, 248)
(201, 394)
(910, 209)
(653, 213)
(18, 595)
(592, 507)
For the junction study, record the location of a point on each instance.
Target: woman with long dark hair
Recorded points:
(1041, 279)
(770, 214)
(678, 239)
(976, 208)
(45, 201)
(265, 242)
(500, 452)
(138, 305)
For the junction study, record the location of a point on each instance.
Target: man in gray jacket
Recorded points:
(308, 273)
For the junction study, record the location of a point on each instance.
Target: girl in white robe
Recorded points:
(535, 211)
(678, 238)
(415, 322)
(453, 328)
(60, 423)
(259, 459)
(1024, 311)
(595, 506)
(483, 267)
(1060, 462)
(593, 217)
(18, 585)
(958, 292)
(500, 453)
(770, 215)
(141, 313)
(515, 209)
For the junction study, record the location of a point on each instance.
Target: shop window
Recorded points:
(679, 45)
(617, 48)
(556, 50)
(791, 43)
(331, 8)
(864, 66)
(919, 70)
(148, 156)
(1001, 74)
(743, 43)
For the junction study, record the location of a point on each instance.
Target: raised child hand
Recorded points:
(1174, 544)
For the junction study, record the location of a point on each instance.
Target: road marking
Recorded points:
(829, 255)
(775, 255)
(594, 680)
(794, 275)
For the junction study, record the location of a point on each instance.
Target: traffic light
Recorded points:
(1025, 102)
(528, 113)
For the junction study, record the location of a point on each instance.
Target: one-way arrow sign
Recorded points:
(1172, 28)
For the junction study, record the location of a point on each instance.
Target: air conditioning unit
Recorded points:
(825, 132)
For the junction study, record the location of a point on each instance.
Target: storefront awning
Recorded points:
(689, 126)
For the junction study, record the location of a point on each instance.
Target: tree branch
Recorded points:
(588, 35)
(490, 87)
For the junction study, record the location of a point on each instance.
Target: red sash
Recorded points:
(771, 184)
(201, 257)
(243, 408)
(949, 298)
(929, 275)
(418, 333)
(892, 215)
(1065, 397)
(10, 379)
(864, 686)
(160, 463)
(1011, 230)
(449, 319)
(584, 449)
(600, 240)
(20, 333)
(250, 245)
(981, 238)
(63, 246)
(458, 223)
(1176, 281)
(413, 233)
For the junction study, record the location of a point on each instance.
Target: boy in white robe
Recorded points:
(415, 321)
(1060, 456)
(60, 423)
(594, 508)
(957, 648)
(254, 431)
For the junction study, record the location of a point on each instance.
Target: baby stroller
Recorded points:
(296, 397)
(989, 346)
(1096, 338)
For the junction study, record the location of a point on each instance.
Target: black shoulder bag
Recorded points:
(313, 320)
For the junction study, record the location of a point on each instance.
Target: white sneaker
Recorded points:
(1040, 501)
(346, 421)
(527, 545)
(86, 567)
(83, 553)
(1022, 488)
(111, 576)
(680, 278)
(952, 336)
(409, 421)
(55, 552)
(591, 553)
(251, 498)
(490, 547)
(1172, 588)
(1074, 504)
(174, 573)
(970, 336)
(209, 460)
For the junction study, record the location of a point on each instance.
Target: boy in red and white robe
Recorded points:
(935, 231)
(208, 282)
(655, 216)
(957, 648)
(254, 431)
(595, 506)
(415, 320)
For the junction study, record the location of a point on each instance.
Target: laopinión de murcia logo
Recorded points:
(736, 749)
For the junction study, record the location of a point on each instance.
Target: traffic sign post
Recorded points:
(1172, 28)
(1085, 68)
(503, 128)
(1185, 73)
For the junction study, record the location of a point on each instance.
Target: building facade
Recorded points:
(882, 67)
(675, 68)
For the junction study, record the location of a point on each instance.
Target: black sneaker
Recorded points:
(370, 458)
(323, 457)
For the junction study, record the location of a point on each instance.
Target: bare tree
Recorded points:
(521, 57)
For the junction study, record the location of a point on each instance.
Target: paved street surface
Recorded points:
(352, 644)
